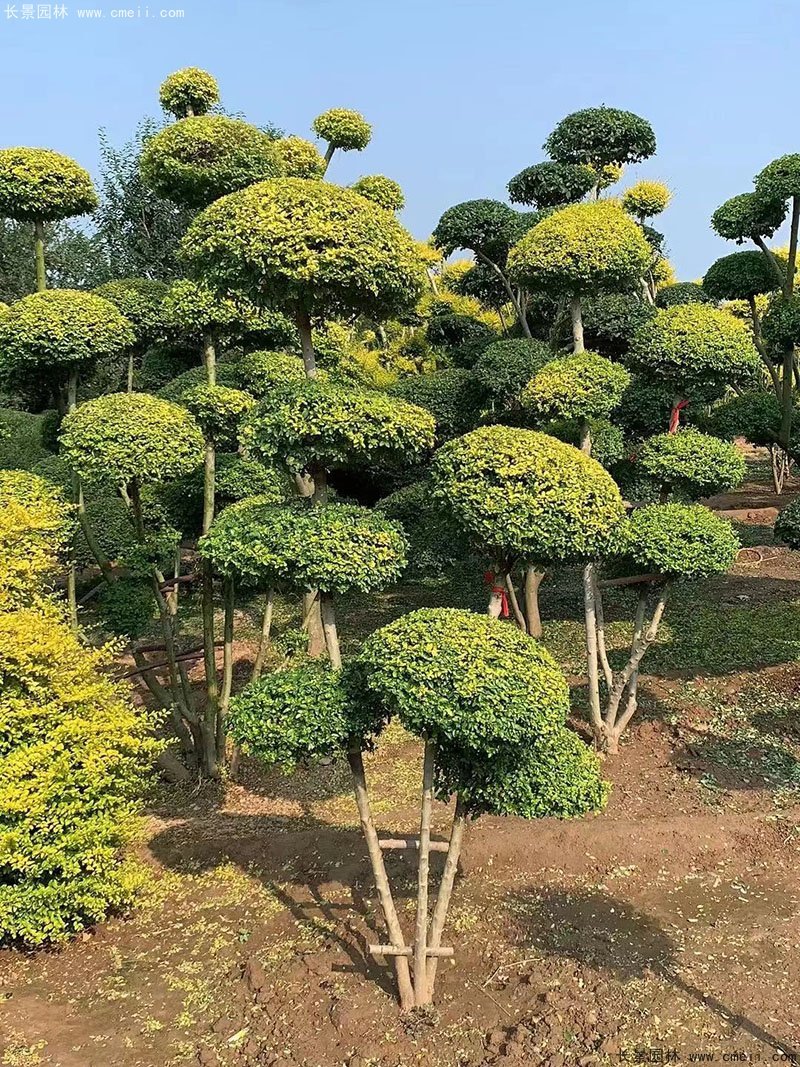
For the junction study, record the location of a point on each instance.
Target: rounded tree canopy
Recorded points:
(325, 423)
(141, 302)
(177, 388)
(190, 91)
(740, 276)
(127, 437)
(488, 227)
(463, 679)
(696, 345)
(299, 158)
(35, 526)
(780, 325)
(683, 293)
(520, 494)
(506, 366)
(580, 386)
(37, 184)
(381, 190)
(646, 199)
(196, 160)
(680, 540)
(787, 524)
(748, 215)
(219, 411)
(333, 547)
(191, 308)
(547, 185)
(262, 374)
(583, 248)
(601, 136)
(780, 179)
(693, 464)
(342, 128)
(610, 320)
(308, 245)
(64, 328)
(300, 714)
(452, 395)
(753, 415)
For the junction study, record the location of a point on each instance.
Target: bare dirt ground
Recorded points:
(666, 929)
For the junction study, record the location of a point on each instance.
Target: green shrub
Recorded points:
(645, 406)
(343, 129)
(332, 547)
(299, 158)
(190, 91)
(645, 199)
(755, 416)
(610, 321)
(693, 463)
(38, 184)
(781, 323)
(263, 373)
(748, 215)
(381, 190)
(787, 524)
(680, 540)
(602, 137)
(127, 607)
(504, 367)
(196, 160)
(740, 276)
(112, 527)
(682, 293)
(73, 751)
(435, 542)
(162, 363)
(25, 439)
(176, 389)
(141, 301)
(520, 494)
(128, 437)
(608, 443)
(452, 396)
(547, 185)
(36, 523)
(325, 423)
(463, 679)
(780, 179)
(580, 386)
(219, 411)
(304, 713)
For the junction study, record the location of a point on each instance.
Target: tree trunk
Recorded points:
(329, 628)
(328, 157)
(421, 988)
(592, 672)
(266, 627)
(393, 927)
(533, 580)
(577, 324)
(227, 667)
(303, 322)
(586, 438)
(446, 888)
(38, 244)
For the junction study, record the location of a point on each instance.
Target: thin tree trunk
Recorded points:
(393, 927)
(329, 629)
(266, 628)
(38, 244)
(533, 580)
(601, 633)
(131, 366)
(227, 666)
(791, 263)
(593, 677)
(771, 259)
(421, 988)
(586, 438)
(303, 321)
(212, 715)
(328, 157)
(522, 318)
(446, 888)
(515, 608)
(577, 324)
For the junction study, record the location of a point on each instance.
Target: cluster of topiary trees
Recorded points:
(324, 405)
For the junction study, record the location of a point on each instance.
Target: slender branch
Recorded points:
(266, 627)
(446, 888)
(421, 987)
(515, 608)
(592, 672)
(601, 632)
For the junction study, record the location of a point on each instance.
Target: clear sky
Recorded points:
(461, 93)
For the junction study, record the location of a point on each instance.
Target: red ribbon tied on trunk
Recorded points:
(497, 590)
(675, 417)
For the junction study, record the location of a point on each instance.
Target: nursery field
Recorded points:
(665, 929)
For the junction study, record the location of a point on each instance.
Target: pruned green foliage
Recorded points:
(381, 190)
(547, 185)
(343, 129)
(452, 395)
(680, 541)
(580, 386)
(190, 91)
(504, 367)
(601, 136)
(740, 276)
(693, 464)
(38, 184)
(747, 216)
(682, 293)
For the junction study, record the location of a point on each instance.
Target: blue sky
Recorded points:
(461, 93)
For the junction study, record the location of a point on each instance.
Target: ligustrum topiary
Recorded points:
(646, 199)
(740, 276)
(343, 129)
(219, 412)
(680, 540)
(198, 159)
(129, 437)
(452, 395)
(601, 137)
(682, 293)
(141, 301)
(36, 523)
(382, 190)
(299, 158)
(546, 185)
(748, 216)
(188, 92)
(582, 386)
(435, 541)
(73, 752)
(504, 367)
(691, 464)
(262, 374)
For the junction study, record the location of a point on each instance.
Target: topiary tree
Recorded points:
(73, 756)
(335, 548)
(38, 185)
(197, 160)
(690, 464)
(610, 322)
(670, 542)
(581, 250)
(381, 190)
(682, 293)
(300, 158)
(779, 183)
(523, 497)
(489, 229)
(695, 348)
(36, 525)
(646, 199)
(435, 542)
(601, 137)
(343, 129)
(309, 248)
(58, 334)
(548, 185)
(505, 367)
(188, 92)
(580, 388)
(452, 395)
(141, 301)
(262, 374)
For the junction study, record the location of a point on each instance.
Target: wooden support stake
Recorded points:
(393, 950)
(421, 995)
(412, 842)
